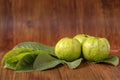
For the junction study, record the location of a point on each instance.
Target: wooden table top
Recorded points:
(86, 71)
(47, 21)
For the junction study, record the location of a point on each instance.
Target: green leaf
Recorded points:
(36, 46)
(21, 60)
(12, 62)
(13, 53)
(113, 60)
(74, 64)
(26, 62)
(45, 61)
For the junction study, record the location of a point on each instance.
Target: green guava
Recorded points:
(95, 49)
(68, 49)
(81, 37)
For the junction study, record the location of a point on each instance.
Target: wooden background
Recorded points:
(46, 21)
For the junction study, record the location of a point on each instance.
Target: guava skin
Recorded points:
(81, 37)
(68, 49)
(95, 49)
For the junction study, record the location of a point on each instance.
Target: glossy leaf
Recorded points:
(74, 64)
(26, 63)
(113, 60)
(45, 61)
(13, 53)
(36, 46)
(12, 62)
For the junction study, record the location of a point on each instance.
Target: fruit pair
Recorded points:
(93, 48)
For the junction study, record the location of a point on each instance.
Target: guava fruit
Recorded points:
(81, 37)
(95, 49)
(68, 49)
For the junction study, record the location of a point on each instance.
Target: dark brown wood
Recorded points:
(46, 21)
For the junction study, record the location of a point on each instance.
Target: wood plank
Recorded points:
(86, 71)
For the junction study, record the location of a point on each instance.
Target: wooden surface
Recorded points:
(46, 21)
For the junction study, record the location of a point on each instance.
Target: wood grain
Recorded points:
(46, 21)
